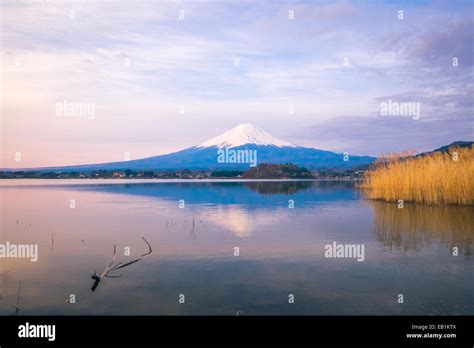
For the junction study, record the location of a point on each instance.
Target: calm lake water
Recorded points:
(281, 250)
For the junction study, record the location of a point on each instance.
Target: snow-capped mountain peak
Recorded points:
(245, 134)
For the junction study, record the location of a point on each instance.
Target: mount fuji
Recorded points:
(242, 138)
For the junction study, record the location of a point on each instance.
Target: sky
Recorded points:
(142, 78)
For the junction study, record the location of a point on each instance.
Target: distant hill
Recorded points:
(455, 144)
(445, 148)
(278, 171)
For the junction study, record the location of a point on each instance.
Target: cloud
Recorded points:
(377, 135)
(438, 47)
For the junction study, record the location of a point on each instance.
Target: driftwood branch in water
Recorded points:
(111, 267)
(17, 307)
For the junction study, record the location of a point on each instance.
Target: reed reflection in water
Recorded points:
(415, 226)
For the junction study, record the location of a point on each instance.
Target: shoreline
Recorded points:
(72, 181)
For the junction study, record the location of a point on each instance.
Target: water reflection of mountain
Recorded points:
(243, 193)
(291, 187)
(279, 187)
(416, 226)
(243, 222)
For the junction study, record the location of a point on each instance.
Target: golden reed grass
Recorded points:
(436, 178)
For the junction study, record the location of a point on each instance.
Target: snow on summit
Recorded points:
(245, 134)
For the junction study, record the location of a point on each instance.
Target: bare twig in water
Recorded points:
(98, 278)
(193, 229)
(120, 265)
(17, 307)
